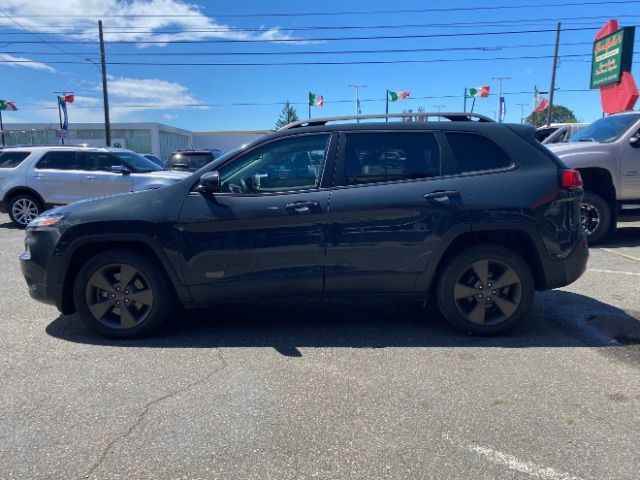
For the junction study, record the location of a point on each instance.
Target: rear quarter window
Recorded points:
(476, 153)
(12, 159)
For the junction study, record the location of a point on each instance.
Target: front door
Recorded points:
(264, 233)
(99, 179)
(392, 204)
(630, 166)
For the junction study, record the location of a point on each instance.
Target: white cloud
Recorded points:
(12, 61)
(176, 15)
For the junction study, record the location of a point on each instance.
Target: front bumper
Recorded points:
(36, 278)
(562, 272)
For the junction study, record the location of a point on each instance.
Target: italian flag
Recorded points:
(540, 103)
(482, 92)
(395, 96)
(316, 100)
(7, 105)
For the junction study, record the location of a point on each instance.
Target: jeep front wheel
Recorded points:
(121, 294)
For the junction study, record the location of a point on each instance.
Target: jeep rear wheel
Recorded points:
(121, 294)
(485, 290)
(595, 217)
(23, 208)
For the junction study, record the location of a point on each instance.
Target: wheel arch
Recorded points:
(81, 252)
(600, 181)
(516, 239)
(22, 189)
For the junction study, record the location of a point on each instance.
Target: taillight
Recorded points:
(571, 179)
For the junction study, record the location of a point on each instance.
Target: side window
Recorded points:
(65, 160)
(12, 159)
(98, 161)
(475, 152)
(390, 156)
(288, 164)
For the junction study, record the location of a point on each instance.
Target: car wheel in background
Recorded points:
(23, 208)
(485, 290)
(595, 217)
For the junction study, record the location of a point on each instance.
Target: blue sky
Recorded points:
(160, 92)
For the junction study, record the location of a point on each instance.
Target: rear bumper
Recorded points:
(562, 272)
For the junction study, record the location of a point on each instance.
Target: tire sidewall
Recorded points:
(604, 212)
(23, 196)
(455, 267)
(157, 282)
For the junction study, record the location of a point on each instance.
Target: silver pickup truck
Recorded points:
(607, 154)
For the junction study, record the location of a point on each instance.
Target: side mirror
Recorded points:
(635, 140)
(120, 169)
(209, 183)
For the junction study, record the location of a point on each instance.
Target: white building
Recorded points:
(155, 138)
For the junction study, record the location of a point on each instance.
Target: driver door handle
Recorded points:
(301, 207)
(442, 195)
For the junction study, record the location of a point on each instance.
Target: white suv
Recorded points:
(35, 178)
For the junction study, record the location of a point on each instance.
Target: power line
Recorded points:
(304, 40)
(330, 14)
(264, 64)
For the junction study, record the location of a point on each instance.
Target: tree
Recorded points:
(287, 115)
(559, 114)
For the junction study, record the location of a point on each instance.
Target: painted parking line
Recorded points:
(630, 257)
(619, 272)
(514, 463)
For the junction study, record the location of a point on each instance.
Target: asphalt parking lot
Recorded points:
(296, 389)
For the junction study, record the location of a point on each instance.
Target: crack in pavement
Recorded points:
(145, 410)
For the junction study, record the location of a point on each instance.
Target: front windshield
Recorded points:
(137, 162)
(606, 129)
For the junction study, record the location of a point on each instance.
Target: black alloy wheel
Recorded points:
(485, 290)
(595, 217)
(121, 294)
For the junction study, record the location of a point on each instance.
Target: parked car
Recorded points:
(154, 159)
(35, 178)
(607, 155)
(558, 132)
(191, 160)
(476, 215)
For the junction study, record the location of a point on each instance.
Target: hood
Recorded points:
(562, 149)
(168, 174)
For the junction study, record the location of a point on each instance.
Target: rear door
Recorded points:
(393, 202)
(99, 179)
(57, 177)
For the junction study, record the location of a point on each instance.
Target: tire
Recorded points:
(24, 207)
(595, 217)
(122, 311)
(480, 313)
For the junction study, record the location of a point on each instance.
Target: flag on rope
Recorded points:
(63, 106)
(540, 103)
(8, 105)
(481, 92)
(395, 96)
(316, 100)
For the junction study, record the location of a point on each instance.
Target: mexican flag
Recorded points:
(540, 103)
(68, 98)
(316, 100)
(395, 96)
(7, 105)
(482, 92)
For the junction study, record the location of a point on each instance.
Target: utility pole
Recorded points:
(500, 80)
(553, 75)
(358, 87)
(105, 94)
(522, 105)
(438, 107)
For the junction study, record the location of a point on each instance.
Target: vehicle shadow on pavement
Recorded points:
(8, 226)
(624, 237)
(558, 319)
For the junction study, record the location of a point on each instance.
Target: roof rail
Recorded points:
(413, 116)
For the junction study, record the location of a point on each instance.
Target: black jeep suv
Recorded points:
(472, 214)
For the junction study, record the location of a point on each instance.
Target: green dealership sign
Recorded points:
(612, 55)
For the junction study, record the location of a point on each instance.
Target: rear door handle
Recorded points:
(442, 195)
(301, 207)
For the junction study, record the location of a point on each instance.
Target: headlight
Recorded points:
(46, 221)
